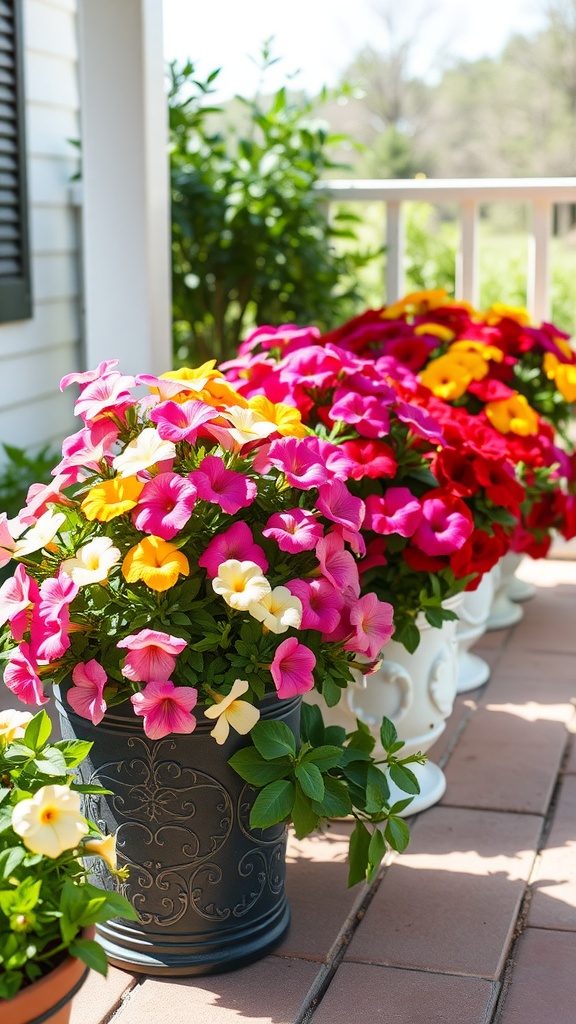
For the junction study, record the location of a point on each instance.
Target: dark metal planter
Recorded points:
(209, 890)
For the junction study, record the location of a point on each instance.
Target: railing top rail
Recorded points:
(481, 190)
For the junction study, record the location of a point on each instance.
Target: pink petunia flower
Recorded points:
(181, 421)
(321, 603)
(397, 512)
(108, 393)
(294, 531)
(22, 679)
(297, 459)
(370, 458)
(51, 618)
(41, 496)
(86, 697)
(221, 486)
(292, 668)
(6, 541)
(152, 655)
(445, 526)
(17, 596)
(420, 422)
(165, 505)
(89, 375)
(337, 564)
(165, 708)
(373, 623)
(366, 412)
(236, 542)
(337, 504)
(338, 464)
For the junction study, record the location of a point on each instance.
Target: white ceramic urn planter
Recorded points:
(473, 671)
(518, 590)
(504, 612)
(416, 691)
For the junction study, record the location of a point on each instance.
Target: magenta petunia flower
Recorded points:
(22, 679)
(297, 459)
(181, 421)
(337, 504)
(165, 708)
(445, 526)
(420, 422)
(86, 696)
(337, 564)
(373, 621)
(338, 464)
(294, 531)
(366, 412)
(397, 512)
(89, 375)
(292, 668)
(165, 505)
(6, 541)
(221, 486)
(17, 595)
(51, 618)
(236, 542)
(110, 392)
(321, 603)
(152, 655)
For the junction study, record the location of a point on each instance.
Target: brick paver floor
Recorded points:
(476, 923)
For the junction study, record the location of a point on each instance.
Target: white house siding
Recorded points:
(36, 353)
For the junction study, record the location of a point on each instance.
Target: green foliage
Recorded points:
(45, 902)
(333, 774)
(21, 468)
(251, 241)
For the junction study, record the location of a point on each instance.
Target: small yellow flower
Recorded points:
(156, 562)
(488, 352)
(240, 583)
(563, 375)
(143, 452)
(92, 562)
(417, 303)
(50, 821)
(229, 711)
(446, 378)
(104, 848)
(248, 425)
(499, 310)
(112, 498)
(513, 415)
(13, 725)
(278, 610)
(287, 420)
(436, 330)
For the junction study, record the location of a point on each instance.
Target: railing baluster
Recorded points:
(394, 251)
(467, 269)
(538, 290)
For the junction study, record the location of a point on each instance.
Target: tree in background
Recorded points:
(251, 240)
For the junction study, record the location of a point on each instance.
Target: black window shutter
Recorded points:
(15, 293)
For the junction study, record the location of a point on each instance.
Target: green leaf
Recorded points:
(273, 739)
(377, 789)
(397, 834)
(358, 854)
(311, 724)
(255, 769)
(409, 635)
(362, 738)
(310, 778)
(273, 804)
(91, 953)
(388, 733)
(304, 815)
(10, 859)
(335, 735)
(74, 751)
(331, 692)
(52, 762)
(376, 851)
(336, 802)
(38, 731)
(324, 758)
(404, 779)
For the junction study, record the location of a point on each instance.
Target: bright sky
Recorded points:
(320, 37)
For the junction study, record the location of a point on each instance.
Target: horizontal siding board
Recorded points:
(49, 180)
(53, 230)
(49, 128)
(55, 322)
(51, 80)
(47, 419)
(35, 375)
(50, 30)
(55, 277)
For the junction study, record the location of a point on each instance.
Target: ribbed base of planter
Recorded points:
(473, 672)
(521, 590)
(504, 614)
(132, 949)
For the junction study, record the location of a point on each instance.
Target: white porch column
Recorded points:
(125, 188)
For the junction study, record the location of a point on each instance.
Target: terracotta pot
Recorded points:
(49, 1000)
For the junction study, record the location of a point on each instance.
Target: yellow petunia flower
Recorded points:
(417, 303)
(488, 352)
(436, 330)
(155, 562)
(563, 375)
(288, 421)
(499, 310)
(446, 378)
(229, 711)
(105, 848)
(513, 415)
(112, 498)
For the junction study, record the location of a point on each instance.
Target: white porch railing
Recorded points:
(540, 194)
